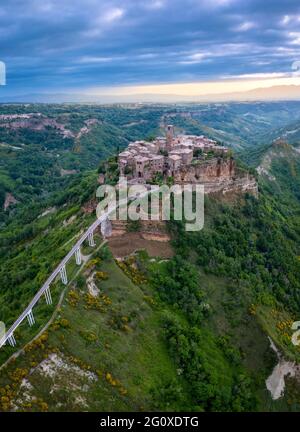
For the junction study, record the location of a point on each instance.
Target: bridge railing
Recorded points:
(46, 285)
(9, 335)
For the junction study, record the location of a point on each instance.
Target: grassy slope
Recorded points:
(137, 357)
(26, 266)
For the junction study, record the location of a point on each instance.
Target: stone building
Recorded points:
(186, 158)
(165, 155)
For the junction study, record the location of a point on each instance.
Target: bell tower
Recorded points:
(170, 136)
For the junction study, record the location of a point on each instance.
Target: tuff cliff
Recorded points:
(218, 175)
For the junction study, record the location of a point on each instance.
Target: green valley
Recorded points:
(145, 333)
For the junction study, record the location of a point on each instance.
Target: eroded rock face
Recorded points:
(37, 123)
(203, 171)
(218, 176)
(149, 230)
(9, 200)
(90, 206)
(59, 374)
(275, 383)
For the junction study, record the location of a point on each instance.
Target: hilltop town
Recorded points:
(185, 159)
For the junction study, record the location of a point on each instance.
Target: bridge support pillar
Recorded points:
(11, 340)
(63, 275)
(78, 256)
(30, 318)
(48, 296)
(91, 239)
(106, 228)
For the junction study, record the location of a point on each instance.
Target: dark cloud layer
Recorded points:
(55, 45)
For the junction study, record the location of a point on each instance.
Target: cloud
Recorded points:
(285, 20)
(112, 15)
(193, 59)
(106, 18)
(90, 59)
(215, 4)
(295, 38)
(147, 56)
(245, 26)
(71, 43)
(290, 19)
(259, 76)
(155, 4)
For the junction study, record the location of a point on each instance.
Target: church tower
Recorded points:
(170, 137)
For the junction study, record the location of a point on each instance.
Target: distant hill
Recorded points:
(239, 125)
(274, 93)
(289, 133)
(283, 140)
(280, 166)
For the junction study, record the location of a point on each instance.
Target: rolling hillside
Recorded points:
(187, 333)
(43, 146)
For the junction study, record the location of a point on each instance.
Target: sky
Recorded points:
(155, 46)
